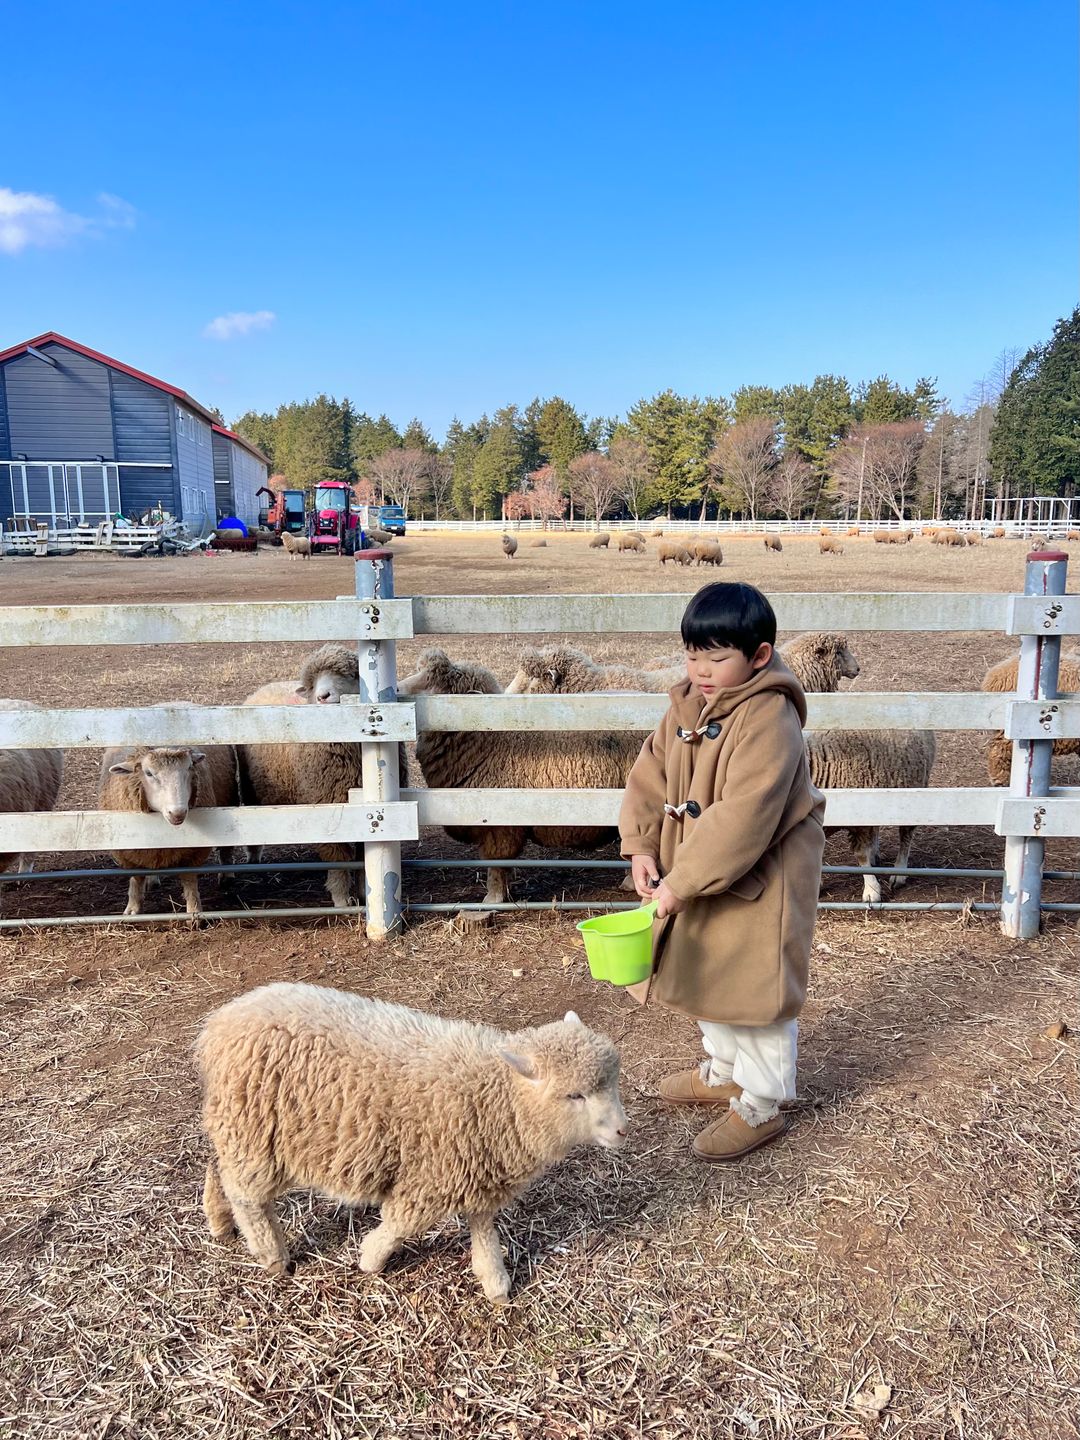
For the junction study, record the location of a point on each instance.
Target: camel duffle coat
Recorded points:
(721, 798)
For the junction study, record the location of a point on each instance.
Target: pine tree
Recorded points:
(1035, 445)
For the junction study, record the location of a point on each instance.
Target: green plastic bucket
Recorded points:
(619, 946)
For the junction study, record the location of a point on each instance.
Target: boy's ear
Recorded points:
(762, 655)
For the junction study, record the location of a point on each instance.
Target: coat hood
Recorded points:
(692, 708)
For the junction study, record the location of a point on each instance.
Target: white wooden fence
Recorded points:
(380, 818)
(1013, 529)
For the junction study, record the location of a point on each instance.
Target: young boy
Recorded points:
(723, 829)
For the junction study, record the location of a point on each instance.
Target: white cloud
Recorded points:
(238, 322)
(28, 219)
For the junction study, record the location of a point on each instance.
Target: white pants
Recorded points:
(759, 1058)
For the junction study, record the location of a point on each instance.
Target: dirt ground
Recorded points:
(914, 1231)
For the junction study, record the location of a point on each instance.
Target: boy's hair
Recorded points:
(729, 615)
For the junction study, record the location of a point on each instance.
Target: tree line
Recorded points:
(875, 449)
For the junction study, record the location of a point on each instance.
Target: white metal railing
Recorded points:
(1013, 529)
(380, 819)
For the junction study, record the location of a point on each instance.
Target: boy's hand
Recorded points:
(667, 902)
(643, 871)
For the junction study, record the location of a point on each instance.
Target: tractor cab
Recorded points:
(334, 524)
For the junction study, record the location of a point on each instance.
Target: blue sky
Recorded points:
(438, 209)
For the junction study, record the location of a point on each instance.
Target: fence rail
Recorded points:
(377, 817)
(1013, 529)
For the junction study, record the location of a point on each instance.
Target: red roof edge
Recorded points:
(53, 337)
(232, 435)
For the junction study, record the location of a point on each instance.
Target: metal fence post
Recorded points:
(1037, 679)
(378, 685)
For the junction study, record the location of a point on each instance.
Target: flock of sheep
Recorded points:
(171, 781)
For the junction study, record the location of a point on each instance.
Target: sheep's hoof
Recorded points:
(498, 1291)
(222, 1232)
(280, 1269)
(466, 921)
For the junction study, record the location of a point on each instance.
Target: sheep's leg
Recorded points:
(190, 885)
(903, 854)
(487, 1258)
(498, 887)
(259, 1225)
(338, 882)
(136, 891)
(397, 1223)
(865, 841)
(215, 1204)
(227, 855)
(255, 854)
(25, 865)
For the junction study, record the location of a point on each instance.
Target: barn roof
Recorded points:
(56, 339)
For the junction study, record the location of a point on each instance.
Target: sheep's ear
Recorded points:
(303, 689)
(523, 1064)
(123, 767)
(571, 1018)
(198, 756)
(554, 674)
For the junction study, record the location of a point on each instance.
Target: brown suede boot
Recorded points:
(686, 1087)
(731, 1137)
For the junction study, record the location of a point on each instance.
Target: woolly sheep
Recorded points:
(1073, 536)
(947, 537)
(375, 1104)
(1001, 679)
(537, 544)
(657, 532)
(672, 550)
(509, 546)
(852, 530)
(600, 541)
(639, 534)
(379, 535)
(29, 780)
(317, 774)
(564, 671)
(893, 537)
(857, 759)
(772, 542)
(998, 533)
(632, 542)
(169, 781)
(829, 545)
(973, 538)
(707, 552)
(546, 760)
(297, 546)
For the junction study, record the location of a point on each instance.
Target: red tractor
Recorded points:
(333, 523)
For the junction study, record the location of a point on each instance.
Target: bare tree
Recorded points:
(848, 465)
(894, 458)
(791, 486)
(546, 499)
(364, 491)
(743, 458)
(597, 476)
(440, 475)
(399, 474)
(634, 472)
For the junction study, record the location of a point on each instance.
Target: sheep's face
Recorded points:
(846, 663)
(328, 687)
(572, 1076)
(168, 779)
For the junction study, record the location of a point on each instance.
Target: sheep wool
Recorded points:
(565, 671)
(372, 1103)
(819, 660)
(29, 780)
(1001, 679)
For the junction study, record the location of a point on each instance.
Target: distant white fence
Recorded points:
(104, 535)
(1013, 529)
(380, 818)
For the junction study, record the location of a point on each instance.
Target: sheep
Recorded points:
(638, 534)
(509, 546)
(321, 773)
(998, 533)
(852, 531)
(858, 758)
(707, 552)
(819, 660)
(533, 760)
(1001, 679)
(672, 550)
(947, 537)
(893, 537)
(1073, 536)
(169, 781)
(974, 538)
(632, 542)
(29, 780)
(772, 542)
(298, 547)
(829, 545)
(564, 671)
(380, 536)
(657, 532)
(537, 544)
(375, 1104)
(600, 541)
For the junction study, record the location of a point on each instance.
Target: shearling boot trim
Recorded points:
(753, 1117)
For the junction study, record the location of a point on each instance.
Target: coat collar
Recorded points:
(691, 709)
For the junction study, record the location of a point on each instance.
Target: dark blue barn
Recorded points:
(84, 437)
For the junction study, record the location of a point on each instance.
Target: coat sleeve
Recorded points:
(735, 831)
(641, 817)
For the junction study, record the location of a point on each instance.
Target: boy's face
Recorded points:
(722, 667)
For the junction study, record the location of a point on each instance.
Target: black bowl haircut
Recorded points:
(726, 614)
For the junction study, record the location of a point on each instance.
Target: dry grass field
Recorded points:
(914, 1231)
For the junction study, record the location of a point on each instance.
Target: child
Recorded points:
(723, 829)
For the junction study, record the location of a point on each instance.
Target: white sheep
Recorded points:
(29, 781)
(170, 781)
(672, 550)
(509, 546)
(600, 541)
(321, 773)
(820, 659)
(707, 552)
(374, 1104)
(634, 543)
(297, 546)
(565, 671)
(543, 760)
